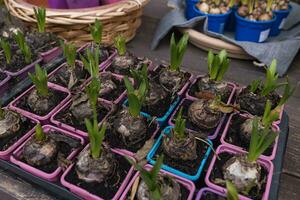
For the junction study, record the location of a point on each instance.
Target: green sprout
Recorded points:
(261, 139)
(217, 65)
(91, 63)
(251, 4)
(135, 97)
(7, 50)
(96, 136)
(140, 75)
(2, 112)
(179, 125)
(92, 90)
(255, 85)
(232, 193)
(20, 39)
(96, 32)
(40, 15)
(177, 51)
(69, 51)
(40, 80)
(288, 92)
(150, 177)
(269, 5)
(269, 117)
(39, 133)
(231, 3)
(120, 44)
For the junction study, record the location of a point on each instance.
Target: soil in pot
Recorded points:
(109, 187)
(63, 76)
(59, 146)
(140, 130)
(2, 76)
(42, 42)
(75, 114)
(12, 128)
(39, 105)
(255, 103)
(235, 137)
(211, 196)
(217, 177)
(209, 89)
(111, 87)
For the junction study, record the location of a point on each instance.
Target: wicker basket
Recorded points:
(123, 18)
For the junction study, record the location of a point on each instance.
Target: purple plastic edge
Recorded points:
(222, 194)
(23, 72)
(4, 83)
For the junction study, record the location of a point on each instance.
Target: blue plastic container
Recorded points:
(230, 25)
(216, 23)
(252, 31)
(189, 11)
(281, 16)
(192, 177)
(161, 120)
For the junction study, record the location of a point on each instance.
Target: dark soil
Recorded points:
(189, 125)
(235, 137)
(54, 95)
(255, 104)
(64, 148)
(115, 141)
(163, 105)
(81, 74)
(2, 76)
(65, 116)
(190, 167)
(115, 94)
(211, 196)
(217, 173)
(42, 42)
(105, 52)
(107, 189)
(195, 89)
(26, 125)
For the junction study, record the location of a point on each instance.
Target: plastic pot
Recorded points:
(252, 31)
(215, 22)
(230, 25)
(212, 135)
(185, 183)
(43, 119)
(15, 158)
(73, 4)
(4, 83)
(206, 190)
(281, 16)
(268, 165)
(226, 129)
(51, 54)
(58, 4)
(192, 177)
(24, 71)
(229, 84)
(87, 195)
(69, 127)
(189, 11)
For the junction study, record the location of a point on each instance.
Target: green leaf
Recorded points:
(96, 32)
(210, 60)
(223, 69)
(128, 85)
(255, 85)
(288, 92)
(91, 62)
(39, 133)
(6, 49)
(120, 44)
(69, 51)
(180, 125)
(92, 90)
(25, 49)
(232, 193)
(134, 105)
(215, 68)
(40, 80)
(40, 15)
(217, 65)
(269, 117)
(156, 168)
(177, 51)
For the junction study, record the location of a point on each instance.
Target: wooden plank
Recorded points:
(289, 188)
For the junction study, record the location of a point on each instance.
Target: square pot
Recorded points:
(4, 83)
(87, 195)
(192, 177)
(43, 119)
(213, 133)
(53, 176)
(51, 54)
(267, 165)
(206, 190)
(226, 130)
(183, 182)
(69, 127)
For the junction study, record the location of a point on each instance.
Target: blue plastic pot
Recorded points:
(161, 120)
(216, 23)
(252, 31)
(281, 16)
(189, 11)
(192, 177)
(230, 25)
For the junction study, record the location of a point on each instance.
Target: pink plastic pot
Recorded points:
(24, 72)
(212, 135)
(105, 2)
(43, 119)
(231, 85)
(5, 155)
(69, 127)
(4, 83)
(74, 4)
(61, 67)
(51, 54)
(189, 185)
(37, 172)
(268, 165)
(185, 87)
(87, 195)
(226, 129)
(206, 190)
